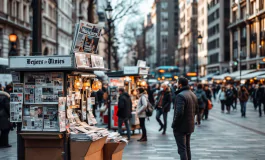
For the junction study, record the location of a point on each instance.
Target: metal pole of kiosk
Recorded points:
(20, 141)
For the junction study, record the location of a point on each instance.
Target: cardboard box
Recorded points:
(87, 150)
(43, 147)
(113, 151)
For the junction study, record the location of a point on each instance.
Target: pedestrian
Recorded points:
(222, 98)
(141, 107)
(208, 93)
(235, 96)
(5, 124)
(260, 98)
(163, 104)
(124, 111)
(243, 96)
(150, 93)
(100, 97)
(254, 95)
(229, 98)
(202, 99)
(186, 107)
(94, 106)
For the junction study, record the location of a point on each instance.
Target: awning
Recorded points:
(220, 77)
(261, 77)
(237, 73)
(206, 78)
(251, 75)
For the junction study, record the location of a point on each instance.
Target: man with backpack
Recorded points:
(202, 101)
(163, 103)
(229, 98)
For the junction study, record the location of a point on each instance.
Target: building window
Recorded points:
(18, 10)
(50, 11)
(234, 16)
(243, 12)
(252, 7)
(164, 42)
(213, 44)
(25, 43)
(164, 16)
(213, 58)
(253, 50)
(261, 4)
(164, 5)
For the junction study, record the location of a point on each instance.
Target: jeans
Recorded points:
(206, 112)
(200, 114)
(142, 125)
(243, 108)
(126, 122)
(235, 102)
(222, 105)
(159, 112)
(183, 142)
(259, 105)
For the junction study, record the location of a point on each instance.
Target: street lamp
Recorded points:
(199, 40)
(13, 41)
(108, 11)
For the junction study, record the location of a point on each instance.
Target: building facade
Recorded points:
(218, 36)
(247, 34)
(64, 26)
(203, 31)
(14, 19)
(188, 33)
(49, 27)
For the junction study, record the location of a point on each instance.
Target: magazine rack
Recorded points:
(130, 78)
(42, 82)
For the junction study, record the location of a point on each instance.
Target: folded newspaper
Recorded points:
(115, 137)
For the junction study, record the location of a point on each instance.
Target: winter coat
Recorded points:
(185, 109)
(142, 105)
(221, 95)
(243, 96)
(229, 97)
(4, 111)
(203, 97)
(124, 106)
(260, 94)
(166, 101)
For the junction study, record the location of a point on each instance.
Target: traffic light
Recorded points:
(235, 63)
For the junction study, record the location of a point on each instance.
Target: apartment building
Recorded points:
(203, 31)
(218, 36)
(188, 33)
(14, 20)
(247, 34)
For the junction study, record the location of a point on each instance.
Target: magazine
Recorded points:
(62, 119)
(62, 104)
(16, 77)
(87, 37)
(18, 88)
(15, 112)
(32, 118)
(97, 61)
(16, 97)
(50, 118)
(29, 93)
(83, 60)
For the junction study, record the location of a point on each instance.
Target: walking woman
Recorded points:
(141, 107)
(243, 96)
(222, 97)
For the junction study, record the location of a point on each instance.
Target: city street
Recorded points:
(223, 136)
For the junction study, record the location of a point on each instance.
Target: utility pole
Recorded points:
(37, 31)
(184, 62)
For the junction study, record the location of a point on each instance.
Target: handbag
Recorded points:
(210, 105)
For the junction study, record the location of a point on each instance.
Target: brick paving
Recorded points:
(222, 136)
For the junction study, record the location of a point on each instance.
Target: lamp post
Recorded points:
(13, 41)
(108, 11)
(199, 40)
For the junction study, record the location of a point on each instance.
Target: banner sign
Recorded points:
(143, 71)
(41, 62)
(129, 70)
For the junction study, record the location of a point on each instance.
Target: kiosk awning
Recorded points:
(251, 75)
(237, 73)
(220, 77)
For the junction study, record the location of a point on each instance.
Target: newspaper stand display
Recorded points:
(130, 78)
(39, 103)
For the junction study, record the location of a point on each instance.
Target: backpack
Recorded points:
(149, 109)
(229, 94)
(199, 97)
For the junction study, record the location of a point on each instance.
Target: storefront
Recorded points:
(130, 79)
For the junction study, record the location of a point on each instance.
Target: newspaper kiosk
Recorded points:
(46, 91)
(130, 78)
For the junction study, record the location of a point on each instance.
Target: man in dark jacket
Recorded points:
(186, 107)
(260, 98)
(124, 111)
(100, 97)
(163, 106)
(202, 101)
(4, 119)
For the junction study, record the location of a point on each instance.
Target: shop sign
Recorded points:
(141, 63)
(40, 62)
(143, 71)
(130, 70)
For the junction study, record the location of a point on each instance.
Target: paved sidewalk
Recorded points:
(222, 137)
